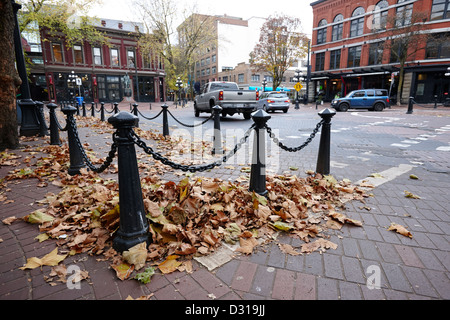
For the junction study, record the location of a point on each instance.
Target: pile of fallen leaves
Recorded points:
(187, 219)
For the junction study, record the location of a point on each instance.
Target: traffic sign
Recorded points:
(298, 86)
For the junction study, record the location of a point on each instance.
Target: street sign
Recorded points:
(78, 82)
(298, 86)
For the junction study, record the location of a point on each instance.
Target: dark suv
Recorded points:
(372, 99)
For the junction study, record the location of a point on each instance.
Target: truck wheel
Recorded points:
(247, 116)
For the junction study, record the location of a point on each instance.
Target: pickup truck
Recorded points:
(228, 96)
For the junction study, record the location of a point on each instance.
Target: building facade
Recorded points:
(114, 72)
(234, 39)
(348, 51)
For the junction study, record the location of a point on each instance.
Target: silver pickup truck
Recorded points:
(228, 96)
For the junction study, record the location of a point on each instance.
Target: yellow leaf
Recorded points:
(42, 237)
(51, 259)
(411, 196)
(123, 270)
(170, 264)
(38, 217)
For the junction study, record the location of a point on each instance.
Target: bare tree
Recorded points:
(406, 35)
(280, 45)
(177, 44)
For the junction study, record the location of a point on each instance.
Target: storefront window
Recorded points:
(354, 57)
(57, 51)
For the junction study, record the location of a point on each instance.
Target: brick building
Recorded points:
(347, 52)
(107, 72)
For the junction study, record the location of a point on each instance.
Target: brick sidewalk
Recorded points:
(416, 268)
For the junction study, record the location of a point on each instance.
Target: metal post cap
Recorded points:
(165, 106)
(217, 108)
(69, 109)
(261, 115)
(327, 112)
(124, 119)
(52, 106)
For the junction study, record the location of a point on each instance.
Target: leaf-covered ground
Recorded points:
(187, 219)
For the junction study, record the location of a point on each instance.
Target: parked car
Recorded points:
(274, 100)
(372, 99)
(228, 96)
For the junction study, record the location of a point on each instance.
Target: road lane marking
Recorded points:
(387, 175)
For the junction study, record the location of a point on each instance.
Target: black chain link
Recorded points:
(153, 118)
(109, 158)
(304, 145)
(191, 125)
(138, 141)
(58, 124)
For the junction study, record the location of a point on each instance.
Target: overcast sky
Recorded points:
(120, 9)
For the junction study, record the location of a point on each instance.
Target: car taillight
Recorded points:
(220, 95)
(387, 100)
(270, 101)
(257, 95)
(286, 101)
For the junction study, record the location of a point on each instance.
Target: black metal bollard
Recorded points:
(30, 125)
(92, 109)
(78, 108)
(54, 130)
(217, 140)
(102, 111)
(323, 159)
(133, 227)
(435, 101)
(43, 130)
(76, 159)
(84, 109)
(410, 106)
(258, 169)
(116, 107)
(166, 133)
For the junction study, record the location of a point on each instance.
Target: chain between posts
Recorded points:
(191, 125)
(109, 158)
(153, 118)
(138, 141)
(301, 147)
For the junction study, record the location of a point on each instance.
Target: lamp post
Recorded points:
(264, 84)
(297, 78)
(30, 124)
(179, 84)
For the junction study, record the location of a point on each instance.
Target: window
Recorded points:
(78, 57)
(438, 47)
(98, 56)
(320, 61)
(370, 93)
(354, 57)
(396, 52)
(335, 59)
(214, 70)
(359, 94)
(214, 58)
(131, 58)
(255, 78)
(322, 33)
(376, 53)
(403, 14)
(380, 15)
(357, 24)
(241, 78)
(337, 28)
(440, 10)
(57, 52)
(114, 57)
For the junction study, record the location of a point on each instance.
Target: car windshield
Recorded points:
(278, 95)
(223, 86)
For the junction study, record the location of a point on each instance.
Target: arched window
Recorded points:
(337, 28)
(322, 32)
(404, 13)
(380, 15)
(357, 23)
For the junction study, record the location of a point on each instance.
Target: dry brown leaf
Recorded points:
(170, 264)
(400, 229)
(123, 270)
(136, 255)
(247, 245)
(286, 248)
(318, 244)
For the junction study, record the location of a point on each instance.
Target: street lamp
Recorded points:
(30, 123)
(264, 84)
(179, 84)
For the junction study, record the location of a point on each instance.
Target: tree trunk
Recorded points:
(401, 77)
(9, 79)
